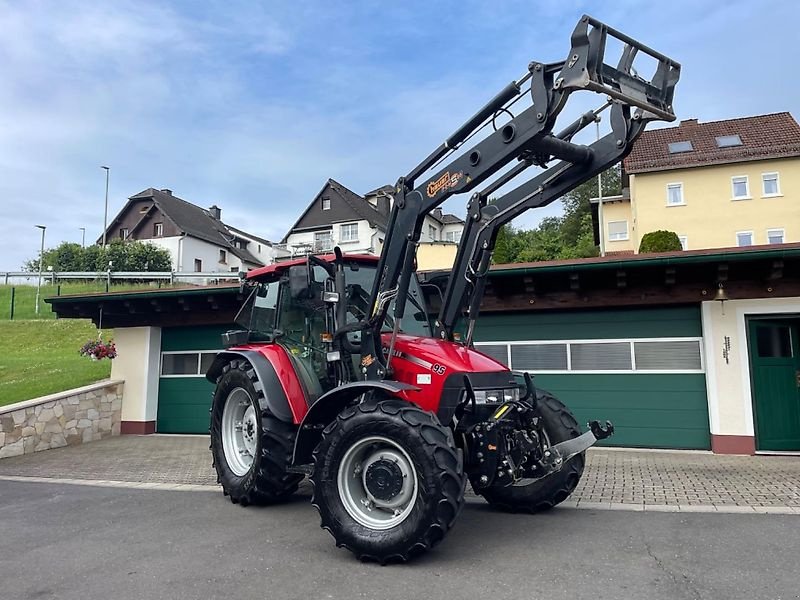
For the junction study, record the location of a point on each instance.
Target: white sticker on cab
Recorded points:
(423, 379)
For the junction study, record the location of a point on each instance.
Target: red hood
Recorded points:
(455, 357)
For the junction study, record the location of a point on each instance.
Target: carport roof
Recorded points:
(190, 305)
(685, 277)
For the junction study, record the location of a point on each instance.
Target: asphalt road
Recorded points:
(66, 541)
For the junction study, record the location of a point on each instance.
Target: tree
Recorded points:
(660, 241)
(502, 246)
(125, 256)
(568, 236)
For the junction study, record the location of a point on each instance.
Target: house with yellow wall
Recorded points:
(720, 184)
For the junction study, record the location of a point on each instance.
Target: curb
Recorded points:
(134, 485)
(567, 504)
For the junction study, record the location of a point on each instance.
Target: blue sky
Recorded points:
(252, 106)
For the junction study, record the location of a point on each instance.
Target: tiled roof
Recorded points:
(359, 205)
(763, 137)
(195, 221)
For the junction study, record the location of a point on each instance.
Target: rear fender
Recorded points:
(324, 410)
(274, 398)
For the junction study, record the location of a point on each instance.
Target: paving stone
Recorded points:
(617, 479)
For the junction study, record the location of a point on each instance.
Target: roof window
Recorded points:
(677, 147)
(727, 141)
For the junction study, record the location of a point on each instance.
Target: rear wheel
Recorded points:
(251, 448)
(559, 425)
(388, 480)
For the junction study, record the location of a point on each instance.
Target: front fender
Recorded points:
(274, 398)
(330, 404)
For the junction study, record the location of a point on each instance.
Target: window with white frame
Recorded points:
(323, 240)
(432, 232)
(775, 236)
(452, 236)
(187, 363)
(326, 203)
(740, 187)
(675, 194)
(684, 242)
(640, 355)
(744, 238)
(348, 232)
(770, 185)
(617, 231)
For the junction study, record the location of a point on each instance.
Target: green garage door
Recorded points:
(642, 369)
(184, 394)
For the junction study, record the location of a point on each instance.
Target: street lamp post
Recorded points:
(600, 200)
(41, 260)
(83, 237)
(105, 214)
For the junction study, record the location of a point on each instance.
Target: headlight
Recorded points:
(496, 396)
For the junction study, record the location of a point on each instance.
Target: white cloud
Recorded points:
(254, 106)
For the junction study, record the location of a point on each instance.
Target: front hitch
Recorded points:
(556, 455)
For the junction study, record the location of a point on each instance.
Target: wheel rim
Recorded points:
(377, 483)
(239, 431)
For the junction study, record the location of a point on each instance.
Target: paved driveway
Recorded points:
(627, 479)
(94, 543)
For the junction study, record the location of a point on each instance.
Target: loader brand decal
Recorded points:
(445, 182)
(367, 360)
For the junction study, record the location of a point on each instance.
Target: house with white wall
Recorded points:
(196, 238)
(338, 216)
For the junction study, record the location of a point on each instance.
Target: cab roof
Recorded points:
(270, 271)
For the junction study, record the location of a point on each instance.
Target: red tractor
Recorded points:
(343, 374)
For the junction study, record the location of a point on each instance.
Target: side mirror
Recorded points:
(299, 281)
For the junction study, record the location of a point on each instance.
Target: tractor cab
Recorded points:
(296, 304)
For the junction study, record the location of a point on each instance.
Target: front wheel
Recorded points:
(251, 448)
(560, 425)
(388, 480)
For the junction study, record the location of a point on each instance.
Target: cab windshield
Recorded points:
(359, 279)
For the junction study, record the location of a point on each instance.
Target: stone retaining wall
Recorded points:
(67, 418)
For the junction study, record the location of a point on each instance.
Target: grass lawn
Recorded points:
(25, 295)
(41, 357)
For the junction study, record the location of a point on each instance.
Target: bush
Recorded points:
(126, 256)
(660, 241)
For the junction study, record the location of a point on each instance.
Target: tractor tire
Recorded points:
(251, 448)
(388, 480)
(560, 425)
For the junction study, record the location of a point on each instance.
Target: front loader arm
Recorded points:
(528, 138)
(465, 286)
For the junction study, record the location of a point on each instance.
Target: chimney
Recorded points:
(167, 191)
(215, 211)
(437, 214)
(383, 204)
(688, 122)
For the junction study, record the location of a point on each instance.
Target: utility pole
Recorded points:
(105, 214)
(602, 226)
(41, 260)
(83, 237)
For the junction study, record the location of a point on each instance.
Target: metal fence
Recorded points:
(18, 297)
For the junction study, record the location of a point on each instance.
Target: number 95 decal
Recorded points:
(439, 369)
